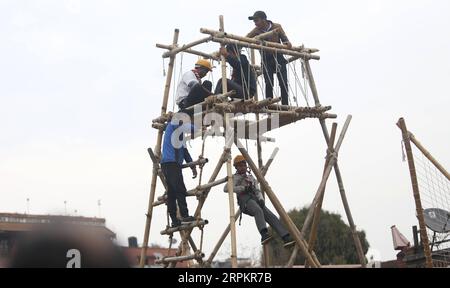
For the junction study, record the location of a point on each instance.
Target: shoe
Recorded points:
(176, 223)
(265, 237)
(188, 219)
(288, 241)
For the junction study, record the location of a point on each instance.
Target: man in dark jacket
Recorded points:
(243, 79)
(272, 62)
(174, 152)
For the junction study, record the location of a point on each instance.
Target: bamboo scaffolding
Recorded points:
(285, 115)
(158, 152)
(337, 171)
(416, 192)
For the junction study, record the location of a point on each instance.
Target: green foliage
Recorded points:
(334, 244)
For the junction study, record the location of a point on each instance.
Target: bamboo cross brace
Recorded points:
(318, 208)
(321, 189)
(337, 170)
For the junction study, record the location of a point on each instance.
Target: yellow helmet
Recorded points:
(204, 63)
(238, 159)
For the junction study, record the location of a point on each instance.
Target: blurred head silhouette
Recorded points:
(66, 246)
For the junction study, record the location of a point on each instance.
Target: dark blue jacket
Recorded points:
(242, 72)
(171, 154)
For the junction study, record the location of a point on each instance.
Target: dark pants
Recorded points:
(232, 85)
(197, 94)
(176, 191)
(281, 72)
(263, 215)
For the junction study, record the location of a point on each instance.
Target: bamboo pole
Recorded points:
(174, 51)
(229, 169)
(199, 190)
(190, 51)
(155, 162)
(416, 193)
(269, 162)
(429, 156)
(297, 235)
(266, 248)
(238, 212)
(158, 152)
(180, 258)
(302, 55)
(337, 171)
(261, 43)
(191, 225)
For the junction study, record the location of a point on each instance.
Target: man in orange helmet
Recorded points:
(191, 90)
(251, 202)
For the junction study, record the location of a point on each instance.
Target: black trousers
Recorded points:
(176, 191)
(232, 85)
(282, 80)
(197, 94)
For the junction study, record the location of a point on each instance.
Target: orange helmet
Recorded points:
(238, 159)
(204, 63)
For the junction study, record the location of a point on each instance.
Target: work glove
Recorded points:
(248, 189)
(194, 172)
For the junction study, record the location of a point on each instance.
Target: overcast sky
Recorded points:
(80, 82)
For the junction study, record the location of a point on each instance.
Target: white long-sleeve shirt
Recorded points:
(188, 80)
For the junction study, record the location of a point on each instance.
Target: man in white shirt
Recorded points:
(191, 90)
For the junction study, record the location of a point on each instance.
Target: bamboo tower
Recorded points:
(268, 113)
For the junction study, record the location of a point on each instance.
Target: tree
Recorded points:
(334, 244)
